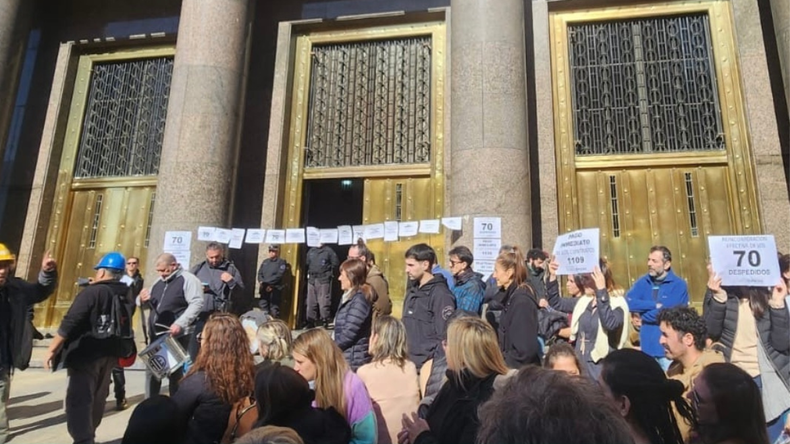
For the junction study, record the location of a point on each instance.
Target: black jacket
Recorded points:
(774, 331)
(425, 314)
(321, 264)
(452, 416)
(207, 415)
(21, 296)
(272, 271)
(81, 321)
(315, 425)
(219, 293)
(352, 329)
(518, 325)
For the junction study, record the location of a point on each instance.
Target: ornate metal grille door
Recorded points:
(124, 118)
(644, 86)
(370, 103)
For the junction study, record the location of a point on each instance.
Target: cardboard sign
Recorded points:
(486, 249)
(255, 236)
(578, 251)
(313, 236)
(345, 235)
(237, 237)
(745, 260)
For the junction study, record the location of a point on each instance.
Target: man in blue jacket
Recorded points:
(659, 288)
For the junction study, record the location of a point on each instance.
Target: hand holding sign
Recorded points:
(779, 294)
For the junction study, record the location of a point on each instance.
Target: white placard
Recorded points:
(745, 260)
(255, 236)
(374, 231)
(178, 244)
(452, 223)
(206, 233)
(313, 237)
(488, 227)
(237, 237)
(177, 241)
(294, 236)
(390, 231)
(358, 232)
(430, 226)
(345, 235)
(408, 229)
(223, 235)
(328, 235)
(578, 251)
(486, 249)
(275, 237)
(485, 268)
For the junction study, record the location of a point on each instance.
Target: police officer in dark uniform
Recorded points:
(270, 278)
(321, 265)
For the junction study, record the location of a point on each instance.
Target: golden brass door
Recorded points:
(108, 169)
(650, 136)
(100, 220)
(638, 208)
(400, 199)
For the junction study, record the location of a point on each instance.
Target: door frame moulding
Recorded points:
(738, 153)
(282, 202)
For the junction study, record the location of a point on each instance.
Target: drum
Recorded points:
(164, 356)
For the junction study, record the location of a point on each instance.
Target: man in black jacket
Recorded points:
(88, 345)
(220, 280)
(321, 265)
(270, 278)
(428, 305)
(16, 330)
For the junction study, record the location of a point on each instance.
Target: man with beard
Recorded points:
(660, 288)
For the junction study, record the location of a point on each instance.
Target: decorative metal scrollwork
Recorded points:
(644, 86)
(370, 103)
(124, 119)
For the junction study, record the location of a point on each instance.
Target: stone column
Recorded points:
(780, 9)
(14, 24)
(199, 150)
(489, 157)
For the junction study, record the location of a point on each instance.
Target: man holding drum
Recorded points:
(175, 300)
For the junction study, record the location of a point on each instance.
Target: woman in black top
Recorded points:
(473, 363)
(517, 307)
(223, 374)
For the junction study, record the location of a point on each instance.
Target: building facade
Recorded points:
(658, 122)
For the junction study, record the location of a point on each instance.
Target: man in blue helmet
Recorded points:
(88, 344)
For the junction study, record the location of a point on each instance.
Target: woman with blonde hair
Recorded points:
(319, 360)
(473, 361)
(275, 343)
(222, 375)
(598, 316)
(354, 315)
(391, 378)
(517, 325)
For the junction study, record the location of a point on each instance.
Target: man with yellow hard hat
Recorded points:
(16, 330)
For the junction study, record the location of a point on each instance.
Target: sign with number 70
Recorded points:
(745, 260)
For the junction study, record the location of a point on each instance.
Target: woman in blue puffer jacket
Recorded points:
(354, 316)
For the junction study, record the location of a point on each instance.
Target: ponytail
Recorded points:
(514, 260)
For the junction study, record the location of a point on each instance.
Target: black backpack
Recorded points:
(117, 324)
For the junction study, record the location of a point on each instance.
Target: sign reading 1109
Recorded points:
(577, 251)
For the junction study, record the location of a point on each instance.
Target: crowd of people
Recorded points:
(509, 359)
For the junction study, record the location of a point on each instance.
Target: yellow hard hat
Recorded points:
(5, 254)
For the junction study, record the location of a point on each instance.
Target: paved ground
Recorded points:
(36, 406)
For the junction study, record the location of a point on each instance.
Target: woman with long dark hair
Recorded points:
(645, 396)
(729, 407)
(749, 325)
(517, 305)
(222, 375)
(355, 313)
(598, 315)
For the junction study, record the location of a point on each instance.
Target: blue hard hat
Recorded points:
(112, 261)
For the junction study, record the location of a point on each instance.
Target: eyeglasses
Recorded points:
(452, 262)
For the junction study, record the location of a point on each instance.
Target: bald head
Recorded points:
(166, 265)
